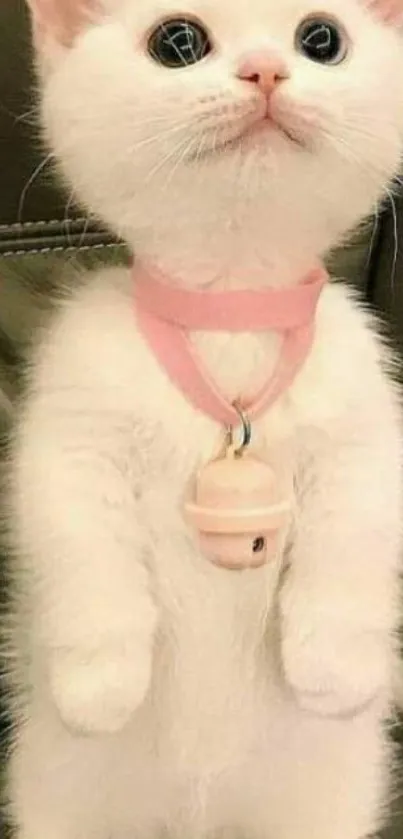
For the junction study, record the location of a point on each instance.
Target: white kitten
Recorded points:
(157, 692)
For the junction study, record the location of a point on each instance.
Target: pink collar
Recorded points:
(166, 313)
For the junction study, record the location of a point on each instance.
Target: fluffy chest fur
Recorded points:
(213, 623)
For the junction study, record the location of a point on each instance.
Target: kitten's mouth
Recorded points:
(247, 135)
(260, 130)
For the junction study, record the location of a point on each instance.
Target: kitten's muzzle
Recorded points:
(264, 69)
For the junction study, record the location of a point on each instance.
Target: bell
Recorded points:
(238, 511)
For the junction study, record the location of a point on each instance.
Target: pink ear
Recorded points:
(390, 11)
(62, 19)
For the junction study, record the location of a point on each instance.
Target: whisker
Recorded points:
(85, 228)
(155, 138)
(395, 239)
(66, 218)
(26, 117)
(374, 235)
(343, 147)
(199, 150)
(20, 117)
(161, 163)
(31, 180)
(183, 153)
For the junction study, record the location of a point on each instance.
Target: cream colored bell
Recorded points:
(237, 510)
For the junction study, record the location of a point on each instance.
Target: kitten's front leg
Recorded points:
(338, 602)
(85, 543)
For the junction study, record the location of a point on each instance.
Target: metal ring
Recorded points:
(246, 429)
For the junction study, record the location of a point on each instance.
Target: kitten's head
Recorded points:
(281, 118)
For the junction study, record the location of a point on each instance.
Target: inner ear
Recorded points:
(390, 11)
(63, 19)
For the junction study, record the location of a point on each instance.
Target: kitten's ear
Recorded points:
(62, 19)
(390, 11)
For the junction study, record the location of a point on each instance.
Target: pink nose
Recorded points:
(263, 68)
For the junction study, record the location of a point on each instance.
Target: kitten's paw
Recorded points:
(333, 672)
(98, 691)
(322, 688)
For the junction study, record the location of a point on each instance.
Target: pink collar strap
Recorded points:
(166, 314)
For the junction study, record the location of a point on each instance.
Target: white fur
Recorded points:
(159, 692)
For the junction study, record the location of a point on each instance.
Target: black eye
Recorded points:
(259, 545)
(321, 40)
(179, 42)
